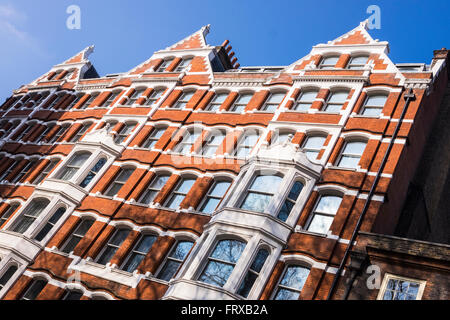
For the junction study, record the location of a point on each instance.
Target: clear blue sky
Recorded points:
(34, 37)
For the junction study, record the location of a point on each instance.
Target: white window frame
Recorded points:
(389, 276)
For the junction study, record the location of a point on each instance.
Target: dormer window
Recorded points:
(164, 65)
(328, 62)
(183, 65)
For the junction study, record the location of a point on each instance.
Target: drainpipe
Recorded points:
(409, 96)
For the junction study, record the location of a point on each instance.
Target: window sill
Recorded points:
(342, 168)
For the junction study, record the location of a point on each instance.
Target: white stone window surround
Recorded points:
(198, 258)
(389, 276)
(290, 173)
(56, 201)
(96, 154)
(351, 137)
(9, 259)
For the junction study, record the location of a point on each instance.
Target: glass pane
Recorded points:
(186, 185)
(256, 202)
(372, 112)
(348, 162)
(34, 289)
(295, 277)
(73, 295)
(247, 284)
(308, 96)
(175, 201)
(220, 98)
(182, 250)
(259, 261)
(330, 60)
(107, 255)
(145, 244)
(79, 159)
(360, 60)
(7, 275)
(125, 174)
(133, 262)
(277, 97)
(228, 250)
(356, 148)
(169, 270)
(71, 244)
(216, 273)
(320, 224)
(302, 106)
(284, 294)
(285, 210)
(148, 197)
(376, 101)
(295, 191)
(333, 108)
(329, 204)
(314, 142)
(160, 182)
(338, 97)
(245, 98)
(114, 189)
(119, 237)
(210, 205)
(220, 188)
(266, 183)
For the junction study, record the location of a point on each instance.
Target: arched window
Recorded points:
(93, 172)
(44, 173)
(138, 253)
(280, 137)
(153, 137)
(25, 129)
(357, 62)
(305, 100)
(222, 261)
(241, 102)
(61, 131)
(217, 101)
(10, 169)
(214, 141)
(154, 97)
(74, 164)
(183, 65)
(324, 212)
(253, 273)
(111, 98)
(34, 289)
(78, 97)
(374, 104)
(246, 144)
(335, 101)
(313, 145)
(44, 133)
(78, 233)
(183, 100)
(89, 101)
(50, 224)
(8, 213)
(163, 66)
(121, 178)
(328, 62)
(292, 282)
(214, 196)
(24, 171)
(55, 102)
(273, 101)
(186, 144)
(135, 96)
(259, 194)
(124, 132)
(351, 154)
(81, 132)
(7, 276)
(173, 262)
(153, 189)
(29, 215)
(113, 244)
(179, 193)
(289, 203)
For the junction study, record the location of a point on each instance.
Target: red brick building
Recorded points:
(190, 177)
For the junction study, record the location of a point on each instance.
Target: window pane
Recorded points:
(320, 224)
(216, 273)
(182, 250)
(338, 97)
(34, 289)
(7, 275)
(356, 148)
(314, 142)
(186, 185)
(360, 60)
(256, 202)
(284, 294)
(210, 205)
(266, 183)
(376, 101)
(247, 284)
(348, 162)
(329, 204)
(169, 269)
(308, 96)
(372, 112)
(295, 277)
(228, 250)
(330, 60)
(220, 188)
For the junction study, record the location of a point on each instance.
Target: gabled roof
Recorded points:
(359, 35)
(80, 57)
(197, 40)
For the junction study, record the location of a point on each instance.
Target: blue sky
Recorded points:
(34, 35)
